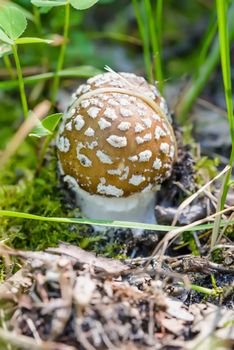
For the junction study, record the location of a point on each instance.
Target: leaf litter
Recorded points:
(67, 298)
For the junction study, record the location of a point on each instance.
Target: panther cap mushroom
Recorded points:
(116, 146)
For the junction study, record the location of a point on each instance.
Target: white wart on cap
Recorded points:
(116, 140)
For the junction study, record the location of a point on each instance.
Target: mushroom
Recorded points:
(116, 146)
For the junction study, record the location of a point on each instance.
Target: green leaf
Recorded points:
(26, 40)
(27, 14)
(77, 4)
(52, 121)
(48, 3)
(83, 4)
(47, 126)
(39, 131)
(12, 21)
(5, 50)
(5, 38)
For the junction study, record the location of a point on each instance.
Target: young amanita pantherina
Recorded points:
(116, 146)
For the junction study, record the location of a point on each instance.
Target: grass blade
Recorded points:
(154, 36)
(81, 72)
(145, 39)
(226, 71)
(61, 53)
(124, 224)
(201, 77)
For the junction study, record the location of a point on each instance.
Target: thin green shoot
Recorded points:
(37, 20)
(82, 72)
(203, 73)
(207, 40)
(8, 65)
(20, 80)
(226, 71)
(108, 223)
(203, 290)
(158, 29)
(145, 39)
(62, 53)
(129, 39)
(155, 44)
(213, 281)
(158, 21)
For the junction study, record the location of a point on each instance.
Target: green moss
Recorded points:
(23, 190)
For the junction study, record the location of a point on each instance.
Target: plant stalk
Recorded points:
(8, 66)
(201, 77)
(20, 81)
(226, 71)
(158, 29)
(154, 36)
(62, 53)
(145, 40)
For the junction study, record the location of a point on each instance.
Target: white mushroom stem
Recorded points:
(138, 207)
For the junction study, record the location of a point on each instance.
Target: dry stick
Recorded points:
(38, 113)
(211, 106)
(187, 201)
(174, 233)
(29, 343)
(223, 246)
(118, 76)
(33, 329)
(212, 198)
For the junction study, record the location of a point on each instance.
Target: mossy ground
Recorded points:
(23, 189)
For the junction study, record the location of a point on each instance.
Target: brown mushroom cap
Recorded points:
(116, 139)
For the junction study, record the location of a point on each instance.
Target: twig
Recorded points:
(171, 235)
(187, 201)
(39, 112)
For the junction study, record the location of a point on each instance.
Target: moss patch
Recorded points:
(23, 190)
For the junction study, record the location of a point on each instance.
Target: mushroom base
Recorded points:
(138, 207)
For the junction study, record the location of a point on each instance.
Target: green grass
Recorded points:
(208, 59)
(72, 72)
(149, 20)
(143, 30)
(155, 39)
(61, 53)
(23, 190)
(109, 223)
(20, 80)
(224, 37)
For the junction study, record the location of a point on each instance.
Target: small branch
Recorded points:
(39, 112)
